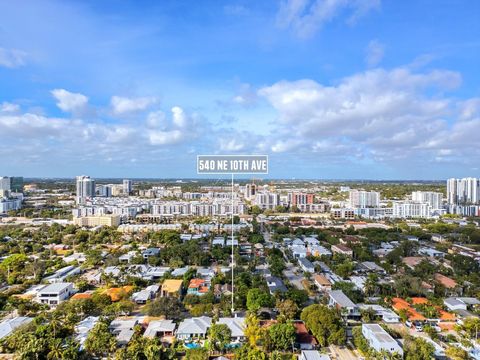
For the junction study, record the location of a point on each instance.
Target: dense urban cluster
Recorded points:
(306, 270)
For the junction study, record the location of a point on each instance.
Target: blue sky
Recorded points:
(328, 88)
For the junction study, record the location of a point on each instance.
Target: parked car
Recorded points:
(434, 326)
(408, 324)
(418, 326)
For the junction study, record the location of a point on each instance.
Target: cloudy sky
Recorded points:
(371, 89)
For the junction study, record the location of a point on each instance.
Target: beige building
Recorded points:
(103, 220)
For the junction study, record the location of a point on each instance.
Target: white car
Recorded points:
(408, 323)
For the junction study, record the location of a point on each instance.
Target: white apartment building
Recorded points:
(8, 204)
(464, 191)
(435, 199)
(219, 207)
(267, 200)
(85, 188)
(410, 209)
(364, 199)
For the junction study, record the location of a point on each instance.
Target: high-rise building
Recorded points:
(104, 190)
(5, 183)
(85, 188)
(435, 199)
(127, 187)
(250, 191)
(16, 184)
(464, 191)
(364, 199)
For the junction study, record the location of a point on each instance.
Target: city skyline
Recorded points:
(328, 89)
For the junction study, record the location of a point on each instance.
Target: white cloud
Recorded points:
(124, 105)
(231, 145)
(156, 119)
(165, 137)
(374, 53)
(70, 102)
(12, 58)
(384, 115)
(179, 117)
(7, 107)
(306, 17)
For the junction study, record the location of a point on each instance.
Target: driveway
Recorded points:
(342, 353)
(295, 280)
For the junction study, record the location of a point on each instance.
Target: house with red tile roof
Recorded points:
(198, 287)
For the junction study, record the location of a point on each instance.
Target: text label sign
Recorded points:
(232, 164)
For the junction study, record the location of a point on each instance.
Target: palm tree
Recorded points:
(55, 323)
(56, 351)
(153, 350)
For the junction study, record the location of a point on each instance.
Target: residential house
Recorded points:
(198, 287)
(322, 283)
(339, 300)
(147, 253)
(450, 285)
(222, 289)
(194, 328)
(218, 241)
(312, 355)
(149, 293)
(236, 326)
(380, 340)
(127, 258)
(61, 274)
(370, 266)
(359, 282)
(318, 250)
(342, 250)
(206, 273)
(180, 271)
(275, 285)
(54, 294)
(83, 328)
(306, 265)
(171, 287)
(303, 339)
(163, 329)
(299, 252)
(386, 315)
(430, 252)
(461, 303)
(8, 326)
(123, 329)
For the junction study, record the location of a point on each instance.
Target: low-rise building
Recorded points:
(55, 293)
(339, 300)
(306, 265)
(342, 250)
(236, 326)
(194, 328)
(380, 340)
(312, 355)
(103, 220)
(171, 287)
(198, 287)
(322, 283)
(8, 326)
